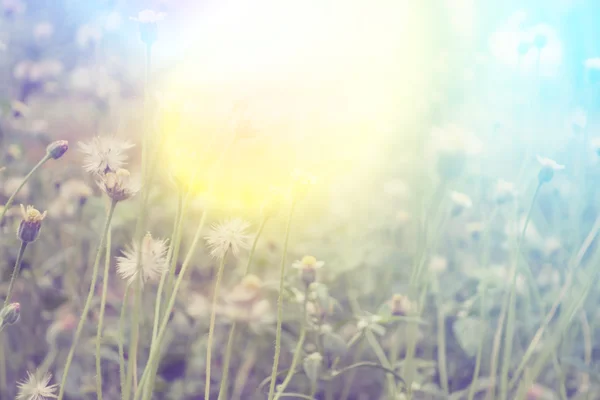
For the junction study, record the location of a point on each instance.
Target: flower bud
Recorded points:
(57, 149)
(148, 21)
(312, 365)
(117, 185)
(10, 314)
(29, 228)
(308, 269)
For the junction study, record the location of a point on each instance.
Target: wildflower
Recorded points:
(118, 185)
(461, 202)
(104, 154)
(10, 315)
(400, 305)
(438, 264)
(371, 323)
(148, 20)
(504, 192)
(475, 229)
(153, 260)
(247, 291)
(312, 366)
(548, 168)
(308, 268)
(57, 149)
(540, 40)
(523, 47)
(29, 228)
(34, 388)
(229, 235)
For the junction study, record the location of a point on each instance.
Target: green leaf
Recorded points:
(468, 332)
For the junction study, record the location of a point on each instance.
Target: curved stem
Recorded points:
(297, 352)
(211, 327)
(280, 304)
(132, 376)
(11, 199)
(368, 365)
(101, 316)
(258, 234)
(15, 273)
(88, 302)
(383, 361)
(155, 349)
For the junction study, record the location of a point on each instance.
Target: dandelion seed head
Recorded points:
(118, 185)
(229, 235)
(104, 154)
(549, 163)
(149, 17)
(153, 260)
(33, 388)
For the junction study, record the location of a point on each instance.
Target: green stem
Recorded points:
(348, 381)
(256, 237)
(48, 360)
(211, 327)
(131, 378)
(280, 304)
(441, 339)
(155, 348)
(15, 273)
(88, 302)
(297, 351)
(122, 375)
(372, 340)
(11, 199)
(224, 379)
(510, 318)
(101, 316)
(229, 350)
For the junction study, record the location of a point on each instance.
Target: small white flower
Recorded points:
(149, 17)
(118, 185)
(228, 235)
(438, 264)
(592, 63)
(153, 260)
(33, 388)
(104, 154)
(461, 199)
(549, 163)
(308, 262)
(504, 191)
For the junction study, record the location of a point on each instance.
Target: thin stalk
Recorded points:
(297, 351)
(15, 273)
(280, 304)
(232, 331)
(482, 306)
(176, 246)
(122, 375)
(382, 360)
(348, 382)
(441, 342)
(211, 327)
(88, 302)
(510, 318)
(101, 316)
(11, 199)
(225, 378)
(155, 348)
(131, 378)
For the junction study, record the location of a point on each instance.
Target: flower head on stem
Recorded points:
(104, 154)
(29, 228)
(34, 388)
(228, 235)
(153, 261)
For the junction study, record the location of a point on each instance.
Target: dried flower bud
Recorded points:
(548, 168)
(312, 365)
(400, 305)
(117, 185)
(57, 149)
(29, 228)
(10, 314)
(308, 269)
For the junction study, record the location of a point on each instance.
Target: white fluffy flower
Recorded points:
(153, 261)
(33, 388)
(592, 63)
(549, 163)
(229, 235)
(461, 199)
(149, 17)
(104, 154)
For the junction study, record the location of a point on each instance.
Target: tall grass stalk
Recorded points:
(122, 373)
(511, 309)
(280, 303)
(88, 302)
(211, 327)
(101, 316)
(155, 348)
(232, 331)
